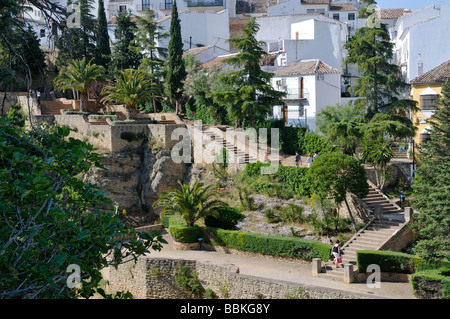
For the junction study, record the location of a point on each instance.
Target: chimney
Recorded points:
(420, 65)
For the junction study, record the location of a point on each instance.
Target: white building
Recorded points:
(421, 40)
(311, 85)
(344, 11)
(303, 36)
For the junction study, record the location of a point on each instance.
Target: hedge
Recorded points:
(432, 284)
(268, 244)
(184, 234)
(389, 261)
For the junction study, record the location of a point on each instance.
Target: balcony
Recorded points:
(205, 3)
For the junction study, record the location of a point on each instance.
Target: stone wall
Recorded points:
(153, 278)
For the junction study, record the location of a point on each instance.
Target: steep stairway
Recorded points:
(241, 156)
(400, 155)
(52, 107)
(376, 197)
(372, 235)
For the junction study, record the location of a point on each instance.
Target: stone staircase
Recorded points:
(240, 156)
(400, 155)
(53, 107)
(372, 236)
(376, 197)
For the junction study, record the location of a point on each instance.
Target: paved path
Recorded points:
(292, 271)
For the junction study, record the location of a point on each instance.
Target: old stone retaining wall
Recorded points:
(154, 278)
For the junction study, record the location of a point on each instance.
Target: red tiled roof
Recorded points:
(393, 13)
(342, 7)
(435, 75)
(307, 67)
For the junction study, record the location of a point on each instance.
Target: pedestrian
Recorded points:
(38, 97)
(315, 155)
(310, 159)
(336, 252)
(297, 158)
(266, 158)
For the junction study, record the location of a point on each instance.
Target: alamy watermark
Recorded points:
(374, 19)
(74, 18)
(242, 146)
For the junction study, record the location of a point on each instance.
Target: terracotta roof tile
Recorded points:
(437, 74)
(393, 13)
(306, 67)
(343, 7)
(316, 1)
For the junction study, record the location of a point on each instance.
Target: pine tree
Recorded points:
(176, 73)
(102, 50)
(124, 57)
(254, 97)
(379, 85)
(431, 187)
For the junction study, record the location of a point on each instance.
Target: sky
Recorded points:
(410, 4)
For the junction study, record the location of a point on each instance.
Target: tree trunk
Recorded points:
(351, 216)
(83, 101)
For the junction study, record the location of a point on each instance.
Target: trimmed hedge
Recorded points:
(389, 261)
(432, 284)
(184, 234)
(269, 245)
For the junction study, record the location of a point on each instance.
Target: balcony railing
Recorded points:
(205, 3)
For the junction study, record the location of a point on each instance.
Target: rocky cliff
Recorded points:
(135, 179)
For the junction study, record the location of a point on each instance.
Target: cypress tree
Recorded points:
(176, 69)
(431, 187)
(103, 51)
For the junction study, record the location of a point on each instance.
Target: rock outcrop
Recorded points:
(134, 180)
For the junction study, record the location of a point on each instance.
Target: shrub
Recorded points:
(227, 219)
(269, 245)
(388, 261)
(184, 234)
(432, 284)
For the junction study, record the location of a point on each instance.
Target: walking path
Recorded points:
(285, 270)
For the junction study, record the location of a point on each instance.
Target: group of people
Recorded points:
(311, 158)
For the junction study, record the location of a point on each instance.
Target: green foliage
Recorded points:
(102, 50)
(176, 72)
(188, 280)
(431, 189)
(54, 219)
(123, 57)
(192, 202)
(250, 97)
(227, 219)
(184, 234)
(132, 88)
(432, 284)
(389, 261)
(269, 245)
(16, 116)
(312, 142)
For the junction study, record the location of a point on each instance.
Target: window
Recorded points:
(145, 5)
(428, 102)
(168, 4)
(336, 16)
(322, 11)
(351, 16)
(310, 10)
(42, 33)
(122, 8)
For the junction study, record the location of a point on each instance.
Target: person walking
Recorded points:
(297, 158)
(336, 252)
(310, 159)
(38, 97)
(315, 155)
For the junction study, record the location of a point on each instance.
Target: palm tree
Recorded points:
(378, 153)
(132, 88)
(79, 75)
(191, 202)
